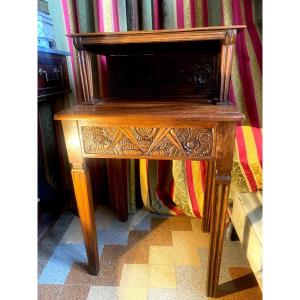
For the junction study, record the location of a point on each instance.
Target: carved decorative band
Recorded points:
(156, 142)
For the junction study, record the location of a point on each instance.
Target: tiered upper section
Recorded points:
(178, 64)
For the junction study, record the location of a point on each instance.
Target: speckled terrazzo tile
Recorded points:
(191, 238)
(79, 275)
(137, 237)
(233, 254)
(135, 275)
(103, 293)
(196, 225)
(162, 276)
(224, 273)
(113, 254)
(60, 263)
(138, 254)
(190, 277)
(161, 255)
(48, 291)
(160, 238)
(74, 292)
(181, 223)
(186, 254)
(132, 293)
(112, 237)
(109, 275)
(161, 224)
(161, 294)
(188, 294)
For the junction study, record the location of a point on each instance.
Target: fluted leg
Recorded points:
(219, 206)
(209, 193)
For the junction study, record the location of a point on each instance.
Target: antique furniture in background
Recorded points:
(54, 182)
(168, 99)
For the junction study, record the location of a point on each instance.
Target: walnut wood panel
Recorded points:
(192, 72)
(138, 142)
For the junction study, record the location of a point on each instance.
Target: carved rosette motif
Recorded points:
(146, 142)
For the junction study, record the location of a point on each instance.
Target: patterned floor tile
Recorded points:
(59, 265)
(191, 238)
(187, 294)
(138, 237)
(135, 275)
(190, 277)
(161, 294)
(160, 238)
(161, 255)
(103, 293)
(161, 224)
(148, 257)
(186, 254)
(74, 292)
(162, 276)
(181, 223)
(79, 275)
(138, 254)
(109, 275)
(132, 293)
(48, 292)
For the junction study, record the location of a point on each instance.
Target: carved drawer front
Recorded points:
(172, 143)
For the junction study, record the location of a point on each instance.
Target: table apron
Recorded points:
(169, 143)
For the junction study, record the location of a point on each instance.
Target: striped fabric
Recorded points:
(178, 187)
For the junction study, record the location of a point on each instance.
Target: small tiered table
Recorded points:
(167, 100)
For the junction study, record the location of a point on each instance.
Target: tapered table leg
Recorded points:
(83, 194)
(219, 205)
(209, 194)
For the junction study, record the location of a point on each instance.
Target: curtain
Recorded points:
(177, 187)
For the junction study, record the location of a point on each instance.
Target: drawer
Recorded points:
(52, 74)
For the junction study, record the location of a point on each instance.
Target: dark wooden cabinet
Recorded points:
(54, 184)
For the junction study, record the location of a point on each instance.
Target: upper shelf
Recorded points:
(154, 36)
(161, 63)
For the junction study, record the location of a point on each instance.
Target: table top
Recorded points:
(160, 112)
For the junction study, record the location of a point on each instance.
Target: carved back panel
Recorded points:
(184, 70)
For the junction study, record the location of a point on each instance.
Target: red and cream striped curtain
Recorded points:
(177, 187)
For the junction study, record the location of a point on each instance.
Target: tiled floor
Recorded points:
(148, 257)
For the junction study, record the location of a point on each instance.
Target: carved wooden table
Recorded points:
(128, 125)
